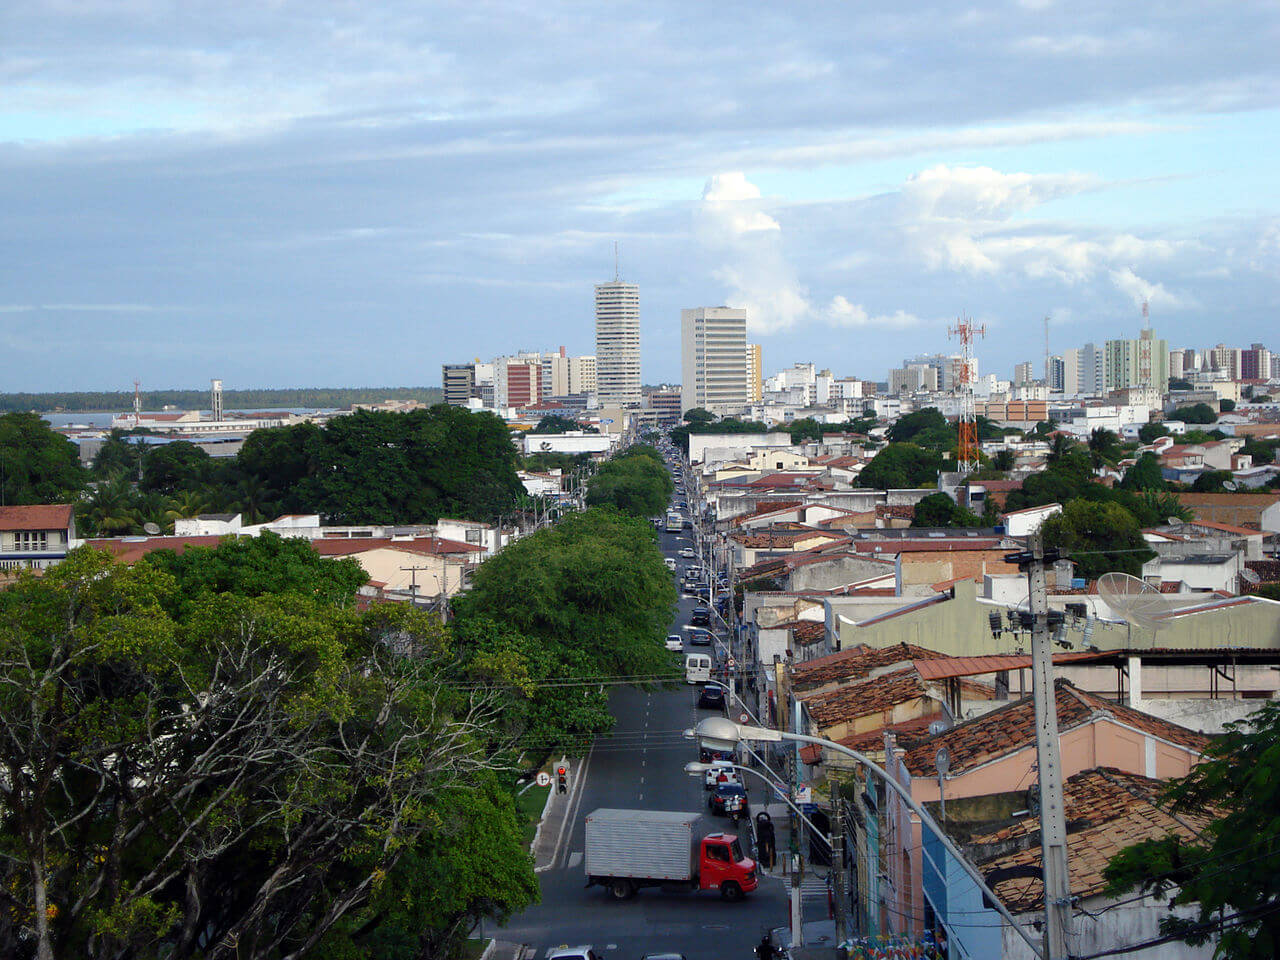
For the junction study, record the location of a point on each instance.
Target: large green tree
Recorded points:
(225, 776)
(1230, 873)
(1098, 538)
(586, 600)
(901, 465)
(636, 482)
(1196, 413)
(179, 465)
(1145, 474)
(37, 464)
(939, 510)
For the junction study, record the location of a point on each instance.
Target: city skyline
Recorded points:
(401, 199)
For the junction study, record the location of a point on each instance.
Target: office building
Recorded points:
(1055, 374)
(458, 381)
(1023, 373)
(517, 381)
(714, 359)
(914, 378)
(618, 343)
(1255, 363)
(755, 372)
(582, 375)
(1224, 359)
(664, 402)
(1137, 363)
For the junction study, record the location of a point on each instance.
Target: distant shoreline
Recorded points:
(73, 402)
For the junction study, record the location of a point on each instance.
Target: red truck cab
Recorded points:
(722, 866)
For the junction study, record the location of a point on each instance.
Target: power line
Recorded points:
(1238, 919)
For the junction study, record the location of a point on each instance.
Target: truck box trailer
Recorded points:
(630, 849)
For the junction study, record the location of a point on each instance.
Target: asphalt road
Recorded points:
(640, 765)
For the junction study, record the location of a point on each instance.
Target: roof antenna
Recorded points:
(615, 261)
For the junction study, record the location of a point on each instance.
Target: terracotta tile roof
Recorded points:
(763, 508)
(780, 537)
(428, 546)
(898, 511)
(872, 741)
(855, 663)
(869, 697)
(1106, 811)
(52, 516)
(131, 549)
(1012, 728)
(939, 545)
(946, 667)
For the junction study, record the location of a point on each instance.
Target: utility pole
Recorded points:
(836, 834)
(1053, 821)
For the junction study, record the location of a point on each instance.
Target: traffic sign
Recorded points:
(731, 663)
(543, 778)
(804, 795)
(743, 718)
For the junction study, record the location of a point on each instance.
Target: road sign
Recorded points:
(804, 795)
(606, 421)
(544, 778)
(731, 663)
(743, 718)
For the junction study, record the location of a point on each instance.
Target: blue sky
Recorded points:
(328, 193)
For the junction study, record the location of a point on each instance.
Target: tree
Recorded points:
(928, 421)
(1145, 474)
(229, 778)
(1212, 481)
(1098, 538)
(806, 428)
(119, 454)
(1196, 413)
(552, 423)
(1105, 444)
(1059, 447)
(584, 599)
(698, 415)
(1230, 872)
(901, 465)
(176, 466)
(636, 483)
(1226, 405)
(37, 465)
(1004, 460)
(1150, 432)
(939, 510)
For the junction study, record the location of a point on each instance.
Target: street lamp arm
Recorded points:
(764, 733)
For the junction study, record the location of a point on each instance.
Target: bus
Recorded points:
(675, 522)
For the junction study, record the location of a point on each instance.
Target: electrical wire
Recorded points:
(1239, 919)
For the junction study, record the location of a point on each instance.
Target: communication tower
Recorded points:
(137, 401)
(965, 331)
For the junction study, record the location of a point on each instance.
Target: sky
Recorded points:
(329, 193)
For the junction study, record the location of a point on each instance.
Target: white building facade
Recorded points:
(713, 352)
(618, 343)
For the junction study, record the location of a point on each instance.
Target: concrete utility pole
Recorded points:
(1053, 820)
(836, 834)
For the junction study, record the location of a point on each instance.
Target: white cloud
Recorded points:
(755, 268)
(981, 193)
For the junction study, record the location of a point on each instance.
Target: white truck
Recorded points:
(630, 849)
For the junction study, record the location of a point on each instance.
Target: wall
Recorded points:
(736, 444)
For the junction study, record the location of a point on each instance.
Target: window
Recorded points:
(31, 540)
(718, 852)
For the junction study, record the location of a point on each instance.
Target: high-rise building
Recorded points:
(949, 369)
(914, 378)
(1176, 358)
(1224, 359)
(459, 382)
(618, 343)
(1255, 363)
(1024, 372)
(582, 375)
(1055, 374)
(1137, 363)
(555, 374)
(713, 353)
(755, 372)
(517, 381)
(665, 404)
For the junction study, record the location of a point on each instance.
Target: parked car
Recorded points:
(675, 642)
(583, 952)
(700, 638)
(711, 698)
(701, 616)
(729, 799)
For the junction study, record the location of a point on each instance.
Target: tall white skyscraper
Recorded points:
(618, 343)
(713, 354)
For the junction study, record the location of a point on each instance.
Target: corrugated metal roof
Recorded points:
(973, 666)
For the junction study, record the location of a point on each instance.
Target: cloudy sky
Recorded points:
(336, 193)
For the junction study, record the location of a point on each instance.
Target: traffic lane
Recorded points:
(655, 919)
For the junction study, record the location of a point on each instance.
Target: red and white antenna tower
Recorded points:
(967, 457)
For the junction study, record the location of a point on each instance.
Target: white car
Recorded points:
(675, 642)
(688, 553)
(583, 952)
(671, 563)
(721, 772)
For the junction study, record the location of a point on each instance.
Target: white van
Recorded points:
(697, 668)
(671, 563)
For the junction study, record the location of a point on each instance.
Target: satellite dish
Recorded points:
(1230, 485)
(1248, 576)
(1136, 601)
(151, 528)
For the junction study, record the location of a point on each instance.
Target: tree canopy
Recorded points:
(939, 510)
(635, 482)
(554, 423)
(1098, 538)
(901, 465)
(226, 775)
(1196, 413)
(586, 599)
(37, 464)
(1230, 873)
(1145, 474)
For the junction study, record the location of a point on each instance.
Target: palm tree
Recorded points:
(109, 509)
(1060, 447)
(185, 504)
(252, 497)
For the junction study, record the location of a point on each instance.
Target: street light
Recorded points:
(724, 729)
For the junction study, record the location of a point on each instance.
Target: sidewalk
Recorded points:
(557, 817)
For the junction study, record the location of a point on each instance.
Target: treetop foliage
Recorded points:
(37, 465)
(1230, 873)
(636, 482)
(1098, 537)
(901, 465)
